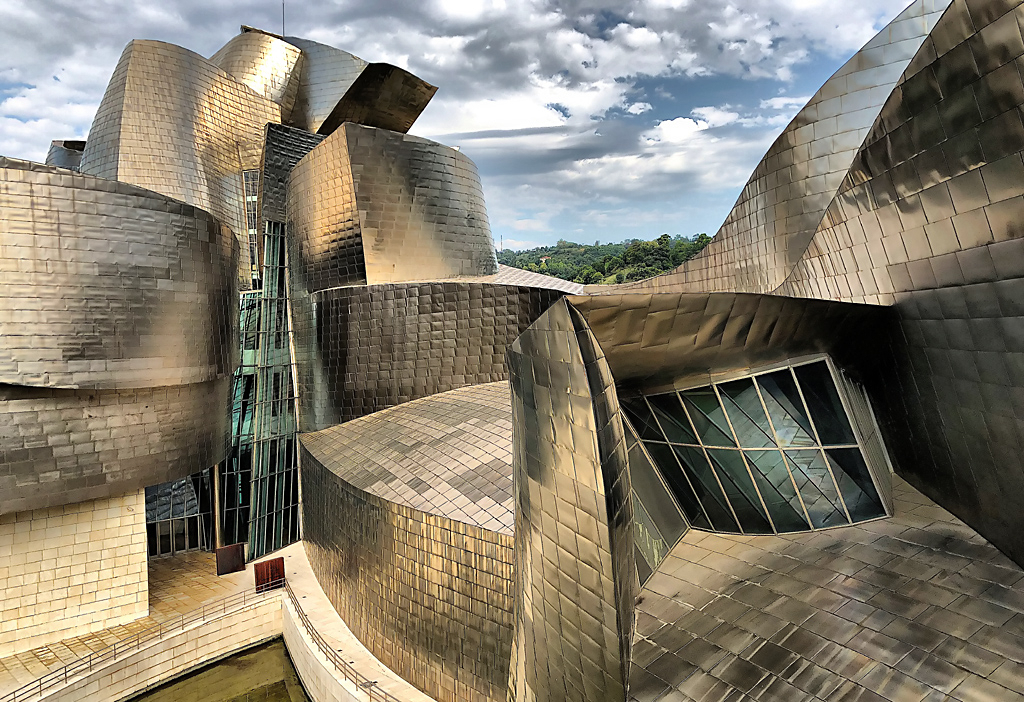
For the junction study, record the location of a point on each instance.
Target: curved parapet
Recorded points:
(118, 337)
(105, 285)
(268, 65)
(361, 349)
(172, 122)
(782, 204)
(575, 573)
(383, 96)
(407, 522)
(374, 206)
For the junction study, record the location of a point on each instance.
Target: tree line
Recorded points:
(633, 259)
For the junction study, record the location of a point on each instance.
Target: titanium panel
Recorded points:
(782, 204)
(268, 65)
(172, 122)
(65, 153)
(928, 221)
(449, 454)
(326, 75)
(383, 96)
(575, 574)
(373, 206)
(427, 595)
(907, 608)
(365, 348)
(106, 285)
(60, 446)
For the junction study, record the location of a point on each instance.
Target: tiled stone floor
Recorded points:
(916, 608)
(177, 584)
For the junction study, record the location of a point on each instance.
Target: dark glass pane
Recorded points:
(642, 569)
(772, 478)
(672, 419)
(786, 409)
(646, 536)
(816, 488)
(746, 414)
(708, 418)
(178, 534)
(708, 490)
(151, 543)
(862, 500)
(639, 415)
(732, 473)
(163, 530)
(824, 404)
(651, 491)
(666, 462)
(192, 524)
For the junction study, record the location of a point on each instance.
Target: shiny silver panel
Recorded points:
(326, 75)
(383, 96)
(172, 122)
(65, 153)
(106, 285)
(917, 607)
(373, 206)
(575, 573)
(365, 348)
(449, 454)
(782, 204)
(268, 65)
(428, 595)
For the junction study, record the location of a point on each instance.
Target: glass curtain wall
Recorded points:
(251, 190)
(773, 452)
(274, 517)
(179, 515)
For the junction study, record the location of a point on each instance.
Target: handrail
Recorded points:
(112, 651)
(368, 686)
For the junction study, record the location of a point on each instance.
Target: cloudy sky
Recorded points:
(589, 119)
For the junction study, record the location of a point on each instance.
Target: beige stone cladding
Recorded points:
(71, 570)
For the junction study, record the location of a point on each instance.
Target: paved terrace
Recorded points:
(917, 608)
(177, 584)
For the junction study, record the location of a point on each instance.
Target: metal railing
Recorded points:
(368, 686)
(113, 651)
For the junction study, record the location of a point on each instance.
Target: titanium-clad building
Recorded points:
(252, 303)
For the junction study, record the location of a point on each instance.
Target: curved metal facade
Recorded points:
(365, 348)
(369, 206)
(327, 74)
(173, 122)
(415, 576)
(268, 65)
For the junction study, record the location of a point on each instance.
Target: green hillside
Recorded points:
(633, 259)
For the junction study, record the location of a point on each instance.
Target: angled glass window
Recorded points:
(773, 452)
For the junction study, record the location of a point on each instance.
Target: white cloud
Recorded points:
(674, 131)
(716, 116)
(520, 245)
(638, 108)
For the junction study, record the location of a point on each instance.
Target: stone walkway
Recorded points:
(916, 608)
(177, 585)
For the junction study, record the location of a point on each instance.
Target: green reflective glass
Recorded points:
(816, 487)
(862, 500)
(777, 489)
(824, 404)
(672, 418)
(639, 415)
(732, 472)
(651, 491)
(786, 409)
(672, 472)
(708, 417)
(708, 490)
(743, 406)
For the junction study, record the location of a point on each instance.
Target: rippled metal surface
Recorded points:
(327, 74)
(118, 330)
(383, 96)
(268, 65)
(65, 153)
(782, 204)
(373, 206)
(362, 349)
(449, 454)
(172, 122)
(575, 575)
(428, 595)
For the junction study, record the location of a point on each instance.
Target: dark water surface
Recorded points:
(261, 674)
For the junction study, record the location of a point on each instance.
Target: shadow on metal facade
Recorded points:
(117, 336)
(416, 578)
